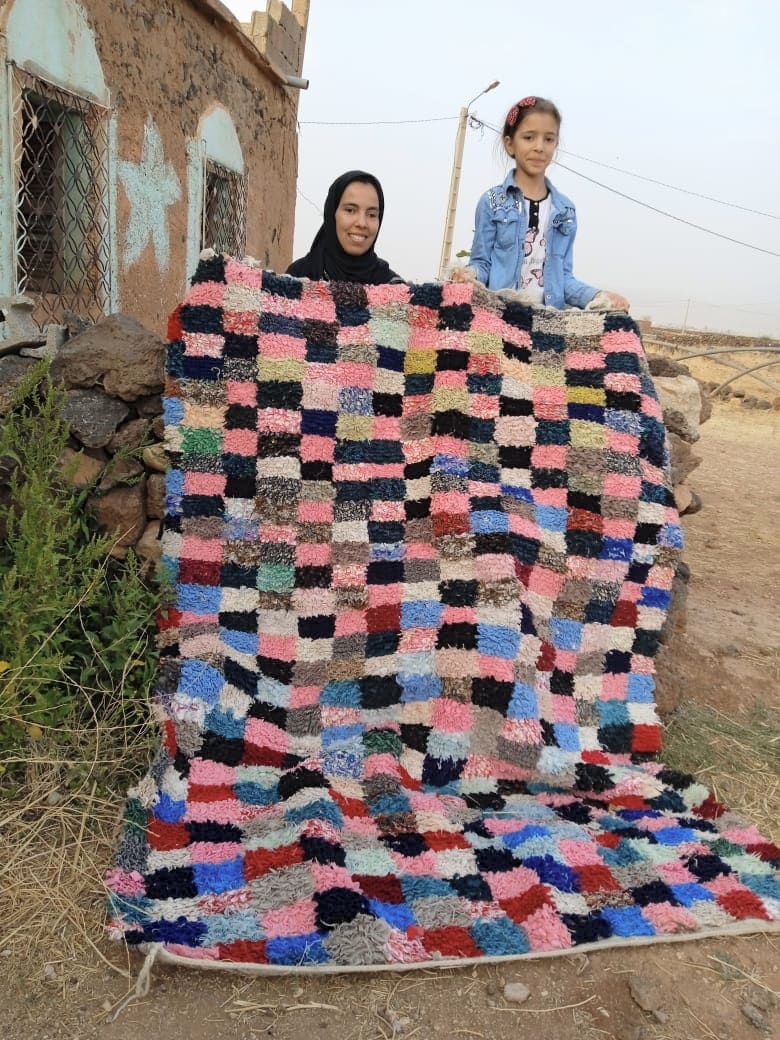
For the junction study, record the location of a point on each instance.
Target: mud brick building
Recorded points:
(134, 133)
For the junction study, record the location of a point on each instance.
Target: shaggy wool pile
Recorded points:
(422, 541)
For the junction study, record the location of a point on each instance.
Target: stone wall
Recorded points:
(686, 405)
(697, 338)
(113, 375)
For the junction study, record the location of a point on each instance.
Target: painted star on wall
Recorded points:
(151, 187)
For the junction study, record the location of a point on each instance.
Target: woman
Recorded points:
(343, 248)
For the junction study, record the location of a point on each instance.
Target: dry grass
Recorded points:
(61, 804)
(737, 757)
(57, 834)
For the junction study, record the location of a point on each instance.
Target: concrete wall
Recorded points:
(175, 73)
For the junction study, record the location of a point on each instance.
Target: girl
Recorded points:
(343, 248)
(525, 228)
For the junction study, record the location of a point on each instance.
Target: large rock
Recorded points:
(676, 618)
(664, 366)
(120, 471)
(129, 436)
(19, 327)
(118, 354)
(676, 422)
(683, 498)
(706, 406)
(13, 369)
(683, 460)
(80, 468)
(93, 416)
(149, 407)
(121, 513)
(155, 496)
(686, 500)
(155, 458)
(681, 403)
(149, 547)
(55, 338)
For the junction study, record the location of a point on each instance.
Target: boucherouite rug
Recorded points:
(422, 541)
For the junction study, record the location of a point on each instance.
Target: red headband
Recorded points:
(514, 111)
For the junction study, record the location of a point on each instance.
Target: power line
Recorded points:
(680, 300)
(664, 213)
(674, 187)
(375, 122)
(307, 199)
(475, 120)
(731, 306)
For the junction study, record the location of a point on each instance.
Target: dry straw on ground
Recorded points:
(738, 758)
(57, 833)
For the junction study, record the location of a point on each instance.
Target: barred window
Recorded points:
(224, 209)
(62, 227)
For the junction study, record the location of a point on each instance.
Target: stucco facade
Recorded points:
(170, 121)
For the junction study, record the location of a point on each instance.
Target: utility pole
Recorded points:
(457, 164)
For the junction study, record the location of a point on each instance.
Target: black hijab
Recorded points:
(326, 259)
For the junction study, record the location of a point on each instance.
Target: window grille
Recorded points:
(60, 149)
(224, 209)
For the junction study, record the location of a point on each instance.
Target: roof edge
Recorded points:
(215, 9)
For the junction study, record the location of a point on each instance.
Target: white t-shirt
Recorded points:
(531, 281)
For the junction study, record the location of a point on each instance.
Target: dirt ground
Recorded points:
(728, 660)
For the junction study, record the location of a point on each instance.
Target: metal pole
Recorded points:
(457, 163)
(449, 225)
(745, 372)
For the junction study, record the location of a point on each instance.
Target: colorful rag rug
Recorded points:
(422, 541)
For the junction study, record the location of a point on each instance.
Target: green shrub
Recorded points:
(77, 625)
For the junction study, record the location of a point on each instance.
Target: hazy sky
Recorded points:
(681, 91)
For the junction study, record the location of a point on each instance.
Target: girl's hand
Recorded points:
(614, 301)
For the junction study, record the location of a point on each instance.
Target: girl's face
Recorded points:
(532, 144)
(357, 218)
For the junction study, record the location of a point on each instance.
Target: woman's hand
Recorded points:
(462, 274)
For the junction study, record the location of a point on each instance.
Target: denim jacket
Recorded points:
(497, 250)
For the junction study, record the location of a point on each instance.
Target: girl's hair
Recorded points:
(525, 107)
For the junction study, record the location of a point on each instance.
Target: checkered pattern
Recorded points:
(422, 542)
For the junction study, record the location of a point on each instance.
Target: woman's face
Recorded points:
(357, 218)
